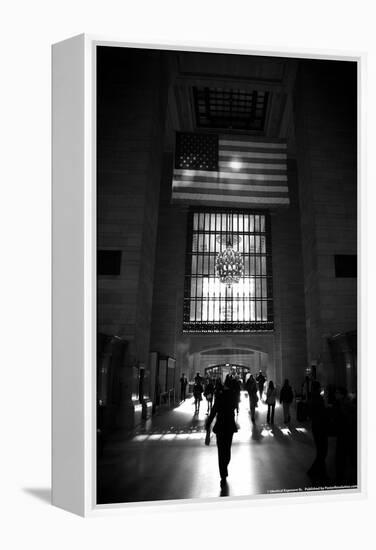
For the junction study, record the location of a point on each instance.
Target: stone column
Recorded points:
(131, 105)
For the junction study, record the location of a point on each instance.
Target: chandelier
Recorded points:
(229, 265)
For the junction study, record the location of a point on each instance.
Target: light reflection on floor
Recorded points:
(167, 459)
(196, 431)
(187, 408)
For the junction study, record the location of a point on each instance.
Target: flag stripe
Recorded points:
(228, 198)
(252, 154)
(241, 155)
(227, 190)
(185, 185)
(258, 177)
(247, 144)
(250, 166)
(203, 175)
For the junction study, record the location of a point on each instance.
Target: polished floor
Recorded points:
(167, 459)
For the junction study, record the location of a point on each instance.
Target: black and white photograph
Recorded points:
(188, 274)
(227, 259)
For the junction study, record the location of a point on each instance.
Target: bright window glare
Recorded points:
(213, 289)
(209, 300)
(235, 164)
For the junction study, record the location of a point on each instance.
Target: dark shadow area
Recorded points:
(256, 433)
(280, 436)
(196, 423)
(301, 437)
(42, 494)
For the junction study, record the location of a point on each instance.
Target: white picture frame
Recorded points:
(74, 268)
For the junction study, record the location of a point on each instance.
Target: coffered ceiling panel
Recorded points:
(231, 93)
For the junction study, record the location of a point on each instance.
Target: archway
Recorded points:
(251, 360)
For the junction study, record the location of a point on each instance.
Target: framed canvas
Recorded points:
(206, 333)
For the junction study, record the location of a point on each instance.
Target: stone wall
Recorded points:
(132, 97)
(131, 107)
(326, 128)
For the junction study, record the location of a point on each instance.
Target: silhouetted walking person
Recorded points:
(225, 426)
(198, 377)
(218, 387)
(183, 387)
(270, 401)
(307, 388)
(319, 421)
(236, 386)
(251, 388)
(260, 379)
(209, 394)
(197, 394)
(285, 398)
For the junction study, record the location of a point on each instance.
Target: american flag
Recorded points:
(231, 171)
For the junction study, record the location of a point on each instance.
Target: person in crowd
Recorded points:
(286, 397)
(218, 387)
(198, 378)
(236, 385)
(260, 379)
(209, 394)
(270, 401)
(307, 388)
(197, 394)
(225, 426)
(319, 423)
(331, 390)
(183, 387)
(251, 388)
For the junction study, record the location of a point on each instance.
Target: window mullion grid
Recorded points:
(219, 225)
(237, 296)
(205, 256)
(251, 275)
(188, 271)
(220, 249)
(269, 280)
(246, 267)
(254, 269)
(231, 301)
(197, 258)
